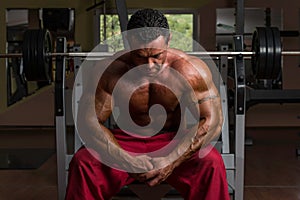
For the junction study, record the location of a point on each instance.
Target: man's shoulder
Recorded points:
(114, 68)
(192, 68)
(115, 65)
(185, 63)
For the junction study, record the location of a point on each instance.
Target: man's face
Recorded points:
(151, 56)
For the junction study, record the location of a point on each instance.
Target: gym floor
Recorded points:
(272, 169)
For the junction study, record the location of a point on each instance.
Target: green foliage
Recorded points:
(113, 32)
(180, 24)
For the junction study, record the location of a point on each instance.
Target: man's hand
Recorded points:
(154, 177)
(137, 164)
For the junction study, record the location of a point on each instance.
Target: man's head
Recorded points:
(148, 24)
(148, 36)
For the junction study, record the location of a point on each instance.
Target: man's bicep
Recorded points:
(103, 105)
(95, 106)
(202, 107)
(202, 102)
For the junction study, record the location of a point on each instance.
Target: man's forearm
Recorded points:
(102, 140)
(191, 143)
(200, 135)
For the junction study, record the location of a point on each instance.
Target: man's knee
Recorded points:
(211, 156)
(83, 155)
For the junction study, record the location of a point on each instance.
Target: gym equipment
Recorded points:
(266, 54)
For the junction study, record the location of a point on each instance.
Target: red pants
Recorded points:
(196, 179)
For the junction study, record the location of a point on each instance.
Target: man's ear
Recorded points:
(169, 39)
(127, 38)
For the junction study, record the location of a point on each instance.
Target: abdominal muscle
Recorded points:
(144, 123)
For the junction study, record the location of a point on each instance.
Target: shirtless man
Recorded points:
(155, 81)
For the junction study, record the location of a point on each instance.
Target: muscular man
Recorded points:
(161, 76)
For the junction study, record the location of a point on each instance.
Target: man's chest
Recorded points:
(140, 97)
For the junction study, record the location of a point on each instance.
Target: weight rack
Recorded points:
(234, 165)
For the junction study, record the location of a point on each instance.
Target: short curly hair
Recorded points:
(149, 24)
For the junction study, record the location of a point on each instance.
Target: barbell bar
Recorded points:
(265, 55)
(108, 54)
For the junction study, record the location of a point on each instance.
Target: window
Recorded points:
(182, 23)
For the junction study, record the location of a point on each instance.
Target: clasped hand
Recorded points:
(162, 169)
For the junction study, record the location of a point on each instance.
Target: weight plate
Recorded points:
(40, 59)
(43, 67)
(34, 56)
(26, 54)
(259, 46)
(36, 46)
(46, 51)
(33, 43)
(277, 53)
(268, 68)
(28, 50)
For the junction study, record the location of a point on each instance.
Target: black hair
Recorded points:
(150, 24)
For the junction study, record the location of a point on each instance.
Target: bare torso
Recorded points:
(149, 93)
(164, 89)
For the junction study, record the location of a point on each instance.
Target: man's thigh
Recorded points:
(198, 171)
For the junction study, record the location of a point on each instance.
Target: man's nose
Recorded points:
(151, 62)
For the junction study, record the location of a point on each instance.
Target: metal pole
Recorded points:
(107, 54)
(60, 120)
(240, 99)
(239, 17)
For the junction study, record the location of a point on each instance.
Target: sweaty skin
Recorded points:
(157, 60)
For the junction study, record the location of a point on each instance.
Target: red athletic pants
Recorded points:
(196, 179)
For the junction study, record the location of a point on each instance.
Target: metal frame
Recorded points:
(63, 158)
(240, 97)
(255, 96)
(60, 119)
(77, 94)
(228, 157)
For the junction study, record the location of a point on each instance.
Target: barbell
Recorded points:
(265, 55)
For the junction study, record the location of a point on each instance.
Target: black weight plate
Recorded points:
(32, 72)
(26, 54)
(46, 52)
(28, 51)
(268, 68)
(262, 52)
(36, 46)
(45, 60)
(277, 52)
(254, 49)
(34, 55)
(34, 41)
(259, 46)
(41, 59)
